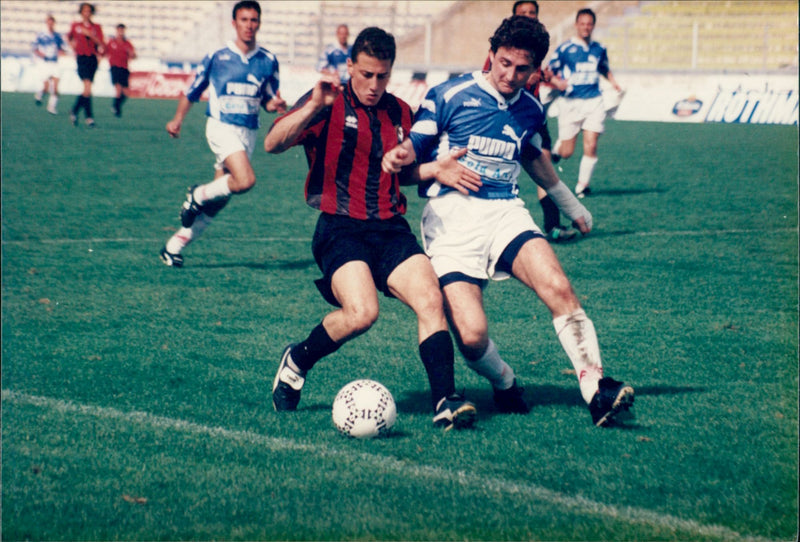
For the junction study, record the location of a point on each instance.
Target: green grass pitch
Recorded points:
(136, 398)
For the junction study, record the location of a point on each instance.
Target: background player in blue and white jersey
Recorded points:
(576, 67)
(241, 79)
(334, 57)
(48, 46)
(481, 229)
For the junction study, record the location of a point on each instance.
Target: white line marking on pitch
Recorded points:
(581, 504)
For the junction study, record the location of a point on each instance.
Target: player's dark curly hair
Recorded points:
(246, 4)
(520, 32)
(375, 42)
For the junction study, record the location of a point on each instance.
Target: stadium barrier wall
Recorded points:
(663, 97)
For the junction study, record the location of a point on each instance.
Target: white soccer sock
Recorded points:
(492, 367)
(585, 172)
(52, 102)
(579, 339)
(184, 236)
(216, 189)
(556, 148)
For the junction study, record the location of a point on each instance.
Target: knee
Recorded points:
(472, 341)
(359, 318)
(242, 183)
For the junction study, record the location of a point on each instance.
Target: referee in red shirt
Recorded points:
(119, 51)
(362, 243)
(86, 39)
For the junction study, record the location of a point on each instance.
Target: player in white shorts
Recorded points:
(475, 227)
(575, 69)
(244, 79)
(47, 47)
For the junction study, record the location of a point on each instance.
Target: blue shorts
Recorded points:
(381, 244)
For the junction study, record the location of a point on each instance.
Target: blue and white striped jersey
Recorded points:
(468, 112)
(335, 58)
(581, 65)
(238, 84)
(49, 44)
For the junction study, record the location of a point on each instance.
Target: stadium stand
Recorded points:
(706, 35)
(444, 35)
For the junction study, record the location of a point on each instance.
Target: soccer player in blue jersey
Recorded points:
(576, 67)
(48, 46)
(481, 230)
(334, 57)
(243, 78)
(362, 242)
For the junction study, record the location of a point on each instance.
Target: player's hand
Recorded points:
(276, 104)
(326, 89)
(582, 226)
(394, 160)
(451, 173)
(174, 128)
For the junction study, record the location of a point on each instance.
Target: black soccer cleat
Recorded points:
(612, 399)
(287, 385)
(510, 401)
(190, 209)
(454, 411)
(170, 259)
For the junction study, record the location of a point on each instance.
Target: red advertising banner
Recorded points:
(159, 84)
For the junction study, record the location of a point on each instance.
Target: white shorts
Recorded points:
(575, 114)
(49, 70)
(226, 139)
(468, 235)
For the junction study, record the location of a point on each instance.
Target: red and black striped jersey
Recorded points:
(344, 146)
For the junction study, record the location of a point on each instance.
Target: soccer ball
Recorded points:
(364, 409)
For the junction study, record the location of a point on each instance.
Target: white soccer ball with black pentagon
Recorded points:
(364, 409)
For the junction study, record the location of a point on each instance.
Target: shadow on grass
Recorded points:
(626, 192)
(262, 266)
(536, 396)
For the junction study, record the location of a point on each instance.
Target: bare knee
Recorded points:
(242, 182)
(360, 317)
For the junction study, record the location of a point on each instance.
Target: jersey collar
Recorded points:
(232, 46)
(486, 86)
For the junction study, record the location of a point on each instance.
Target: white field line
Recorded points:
(408, 470)
(657, 233)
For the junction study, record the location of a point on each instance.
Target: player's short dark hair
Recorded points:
(586, 11)
(520, 32)
(374, 42)
(247, 4)
(520, 2)
(80, 8)
(120, 25)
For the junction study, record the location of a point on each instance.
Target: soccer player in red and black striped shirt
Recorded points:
(362, 243)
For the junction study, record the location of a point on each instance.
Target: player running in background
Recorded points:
(47, 47)
(243, 78)
(482, 230)
(86, 39)
(362, 243)
(119, 51)
(334, 57)
(576, 68)
(553, 229)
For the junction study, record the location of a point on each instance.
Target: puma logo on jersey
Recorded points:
(472, 102)
(488, 146)
(509, 131)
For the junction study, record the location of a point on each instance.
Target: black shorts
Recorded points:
(382, 244)
(87, 67)
(120, 76)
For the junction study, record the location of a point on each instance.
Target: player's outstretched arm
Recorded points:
(282, 134)
(541, 171)
(174, 125)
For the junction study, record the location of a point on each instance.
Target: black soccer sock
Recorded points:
(552, 216)
(318, 345)
(88, 106)
(117, 103)
(437, 356)
(78, 105)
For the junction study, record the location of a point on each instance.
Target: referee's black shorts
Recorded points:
(382, 244)
(87, 67)
(120, 76)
